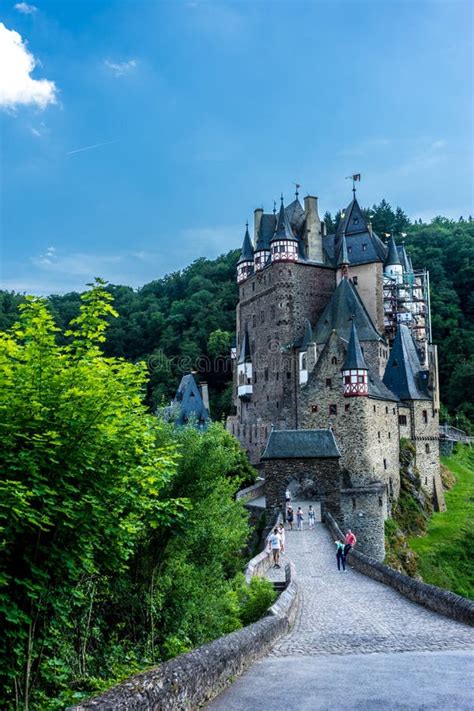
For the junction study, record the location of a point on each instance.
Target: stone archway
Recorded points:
(304, 490)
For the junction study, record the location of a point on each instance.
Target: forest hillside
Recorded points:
(186, 320)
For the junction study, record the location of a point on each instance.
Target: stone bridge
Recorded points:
(332, 641)
(356, 644)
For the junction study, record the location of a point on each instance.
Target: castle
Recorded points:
(334, 365)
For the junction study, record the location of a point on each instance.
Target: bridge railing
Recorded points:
(449, 432)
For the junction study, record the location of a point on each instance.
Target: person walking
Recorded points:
(311, 516)
(274, 545)
(288, 497)
(299, 519)
(340, 556)
(281, 531)
(349, 541)
(289, 517)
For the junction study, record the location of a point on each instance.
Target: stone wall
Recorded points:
(318, 480)
(364, 510)
(366, 429)
(434, 598)
(273, 307)
(190, 680)
(425, 437)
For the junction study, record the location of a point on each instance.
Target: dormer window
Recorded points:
(349, 250)
(364, 248)
(355, 220)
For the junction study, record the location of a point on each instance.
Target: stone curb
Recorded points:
(437, 599)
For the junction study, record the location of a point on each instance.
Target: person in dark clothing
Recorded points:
(289, 517)
(340, 556)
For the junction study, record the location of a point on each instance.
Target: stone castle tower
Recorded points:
(334, 365)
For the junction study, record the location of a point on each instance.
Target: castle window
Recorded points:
(303, 361)
(390, 487)
(314, 408)
(281, 272)
(389, 435)
(380, 501)
(243, 291)
(427, 448)
(262, 317)
(328, 383)
(426, 479)
(289, 272)
(375, 408)
(333, 409)
(266, 375)
(255, 377)
(402, 419)
(254, 320)
(378, 435)
(347, 407)
(384, 463)
(355, 220)
(288, 375)
(355, 280)
(386, 410)
(425, 417)
(334, 360)
(349, 250)
(278, 376)
(360, 378)
(394, 411)
(354, 502)
(364, 248)
(253, 286)
(277, 404)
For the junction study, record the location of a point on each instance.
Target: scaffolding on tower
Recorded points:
(407, 301)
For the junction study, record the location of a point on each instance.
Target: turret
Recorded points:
(393, 267)
(355, 371)
(343, 256)
(283, 244)
(262, 245)
(245, 263)
(244, 370)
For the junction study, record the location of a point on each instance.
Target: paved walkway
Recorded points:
(351, 629)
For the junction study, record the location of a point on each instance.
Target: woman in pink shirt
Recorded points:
(350, 540)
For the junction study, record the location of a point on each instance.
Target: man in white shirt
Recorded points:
(274, 545)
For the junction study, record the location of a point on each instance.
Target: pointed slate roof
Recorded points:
(246, 255)
(344, 308)
(405, 260)
(403, 374)
(353, 221)
(354, 358)
(301, 444)
(265, 233)
(245, 356)
(295, 214)
(392, 257)
(189, 402)
(343, 257)
(283, 227)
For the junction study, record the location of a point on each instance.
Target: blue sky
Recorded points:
(206, 110)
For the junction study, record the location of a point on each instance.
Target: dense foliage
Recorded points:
(187, 319)
(120, 536)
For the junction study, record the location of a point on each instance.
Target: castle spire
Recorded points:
(245, 263)
(355, 370)
(343, 256)
(283, 229)
(393, 257)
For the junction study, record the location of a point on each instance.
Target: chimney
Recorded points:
(205, 395)
(257, 218)
(369, 227)
(313, 238)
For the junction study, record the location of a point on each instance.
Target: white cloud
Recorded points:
(17, 87)
(121, 69)
(25, 9)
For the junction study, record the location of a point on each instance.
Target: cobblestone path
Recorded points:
(344, 649)
(349, 613)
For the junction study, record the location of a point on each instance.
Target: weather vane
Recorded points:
(355, 178)
(297, 185)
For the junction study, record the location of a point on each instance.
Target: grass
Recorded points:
(445, 552)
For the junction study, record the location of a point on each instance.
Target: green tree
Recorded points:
(82, 481)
